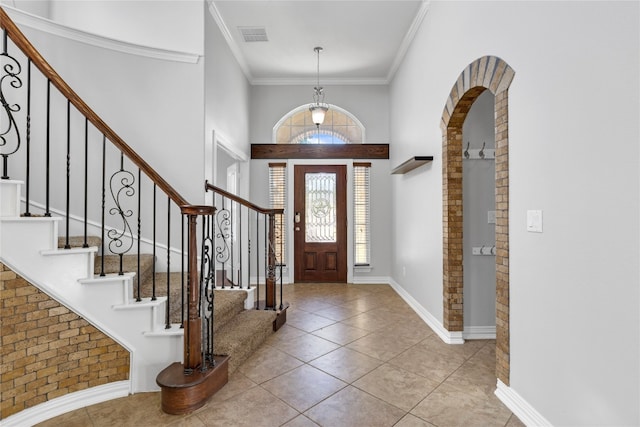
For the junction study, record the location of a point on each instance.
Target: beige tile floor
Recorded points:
(349, 355)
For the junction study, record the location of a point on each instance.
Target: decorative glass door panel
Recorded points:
(320, 223)
(320, 203)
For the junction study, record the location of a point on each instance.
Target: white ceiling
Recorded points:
(363, 40)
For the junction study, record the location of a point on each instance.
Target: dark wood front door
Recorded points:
(320, 223)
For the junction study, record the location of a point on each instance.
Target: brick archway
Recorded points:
(493, 74)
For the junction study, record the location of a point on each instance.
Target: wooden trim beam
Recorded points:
(319, 151)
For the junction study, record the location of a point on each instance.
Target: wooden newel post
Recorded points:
(270, 300)
(193, 323)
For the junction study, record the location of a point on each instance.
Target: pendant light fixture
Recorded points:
(318, 108)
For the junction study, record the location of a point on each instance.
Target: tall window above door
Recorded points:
(339, 127)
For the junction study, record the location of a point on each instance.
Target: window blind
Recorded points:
(361, 213)
(278, 200)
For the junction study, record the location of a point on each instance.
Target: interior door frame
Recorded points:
(290, 194)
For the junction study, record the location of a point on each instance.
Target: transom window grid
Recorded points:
(338, 127)
(278, 200)
(361, 213)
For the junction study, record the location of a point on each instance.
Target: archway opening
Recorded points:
(486, 73)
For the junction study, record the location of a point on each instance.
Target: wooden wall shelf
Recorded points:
(411, 164)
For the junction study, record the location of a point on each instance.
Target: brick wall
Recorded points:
(486, 73)
(46, 350)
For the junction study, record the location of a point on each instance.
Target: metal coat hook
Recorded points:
(466, 152)
(481, 153)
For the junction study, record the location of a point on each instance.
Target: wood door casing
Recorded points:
(315, 261)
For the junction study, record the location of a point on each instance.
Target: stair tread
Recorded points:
(78, 241)
(238, 332)
(129, 263)
(242, 336)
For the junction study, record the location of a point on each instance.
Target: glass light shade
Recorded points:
(317, 114)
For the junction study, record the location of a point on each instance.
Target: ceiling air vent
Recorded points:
(254, 34)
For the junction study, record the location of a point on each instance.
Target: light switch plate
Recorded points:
(534, 221)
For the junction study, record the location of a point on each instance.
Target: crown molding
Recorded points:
(311, 81)
(51, 27)
(408, 39)
(233, 46)
(237, 53)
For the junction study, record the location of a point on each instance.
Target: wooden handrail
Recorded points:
(36, 58)
(240, 200)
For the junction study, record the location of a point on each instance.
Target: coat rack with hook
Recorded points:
(478, 153)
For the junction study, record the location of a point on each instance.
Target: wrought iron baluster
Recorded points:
(281, 258)
(223, 249)
(121, 185)
(11, 69)
(138, 284)
(207, 273)
(168, 323)
(48, 150)
(240, 270)
(257, 258)
(248, 249)
(28, 141)
(66, 244)
(104, 177)
(153, 265)
(232, 243)
(266, 263)
(86, 178)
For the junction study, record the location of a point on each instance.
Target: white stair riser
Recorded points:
(10, 198)
(29, 246)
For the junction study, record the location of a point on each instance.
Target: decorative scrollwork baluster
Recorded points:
(223, 239)
(121, 187)
(8, 79)
(207, 269)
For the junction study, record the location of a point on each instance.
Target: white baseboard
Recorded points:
(520, 407)
(371, 280)
(479, 333)
(67, 403)
(446, 336)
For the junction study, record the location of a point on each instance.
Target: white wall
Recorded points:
(155, 105)
(41, 8)
(573, 116)
(478, 198)
(380, 212)
(369, 103)
(226, 97)
(168, 24)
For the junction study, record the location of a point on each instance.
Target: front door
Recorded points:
(320, 223)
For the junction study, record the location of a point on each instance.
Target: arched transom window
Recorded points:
(339, 127)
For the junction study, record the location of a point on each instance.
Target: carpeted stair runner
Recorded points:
(238, 332)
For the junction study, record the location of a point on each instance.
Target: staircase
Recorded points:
(156, 296)
(31, 247)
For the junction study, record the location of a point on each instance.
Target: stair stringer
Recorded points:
(29, 247)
